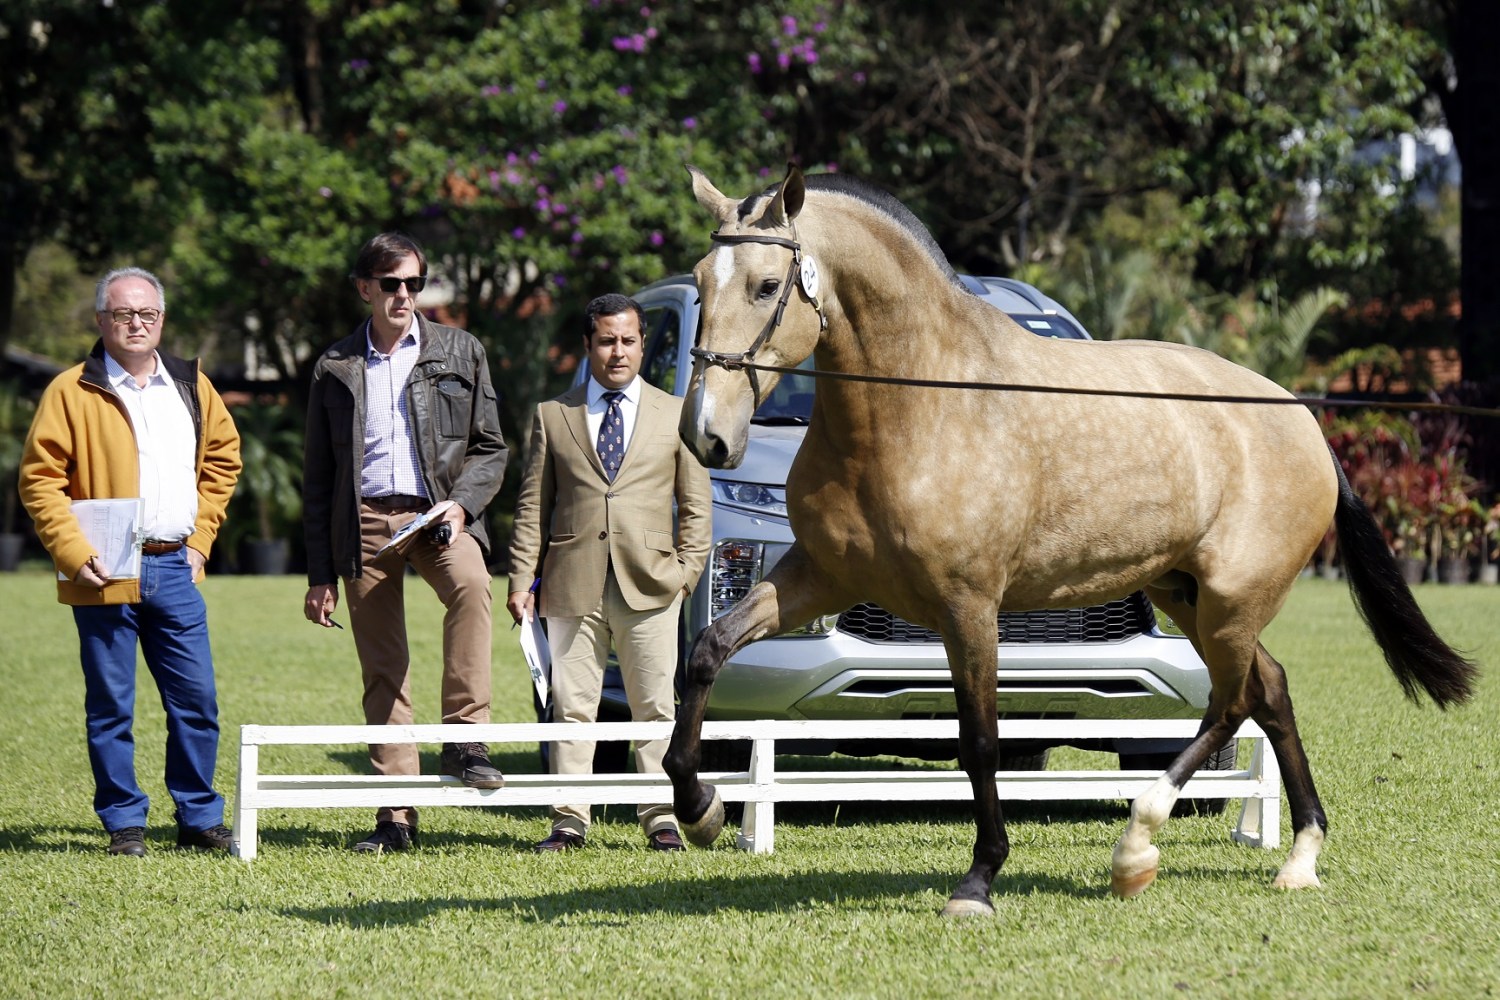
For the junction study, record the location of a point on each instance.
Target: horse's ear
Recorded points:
(789, 197)
(720, 206)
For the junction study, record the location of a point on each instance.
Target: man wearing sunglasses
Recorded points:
(137, 426)
(402, 423)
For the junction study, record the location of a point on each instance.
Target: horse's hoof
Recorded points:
(706, 829)
(1127, 886)
(968, 908)
(1297, 880)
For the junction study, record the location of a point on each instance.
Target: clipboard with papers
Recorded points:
(423, 520)
(113, 528)
(538, 656)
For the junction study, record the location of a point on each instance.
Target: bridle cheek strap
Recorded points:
(741, 359)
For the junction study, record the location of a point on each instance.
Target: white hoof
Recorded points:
(1130, 878)
(968, 908)
(1296, 878)
(704, 832)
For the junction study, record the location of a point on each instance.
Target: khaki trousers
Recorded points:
(377, 617)
(646, 644)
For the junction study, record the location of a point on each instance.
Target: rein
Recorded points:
(1473, 411)
(805, 273)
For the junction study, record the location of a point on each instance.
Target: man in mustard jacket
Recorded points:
(594, 550)
(132, 421)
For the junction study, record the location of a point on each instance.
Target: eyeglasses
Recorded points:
(124, 317)
(413, 285)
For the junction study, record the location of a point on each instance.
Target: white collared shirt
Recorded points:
(629, 405)
(390, 465)
(167, 448)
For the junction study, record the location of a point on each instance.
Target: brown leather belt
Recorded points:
(159, 548)
(398, 501)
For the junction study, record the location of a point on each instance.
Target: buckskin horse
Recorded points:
(947, 506)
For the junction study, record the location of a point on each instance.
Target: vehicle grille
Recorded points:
(1111, 622)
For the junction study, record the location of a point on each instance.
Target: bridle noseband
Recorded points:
(801, 272)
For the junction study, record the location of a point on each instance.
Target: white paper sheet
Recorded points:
(538, 656)
(113, 529)
(432, 516)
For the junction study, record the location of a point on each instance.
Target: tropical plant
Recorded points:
(1457, 513)
(271, 481)
(16, 409)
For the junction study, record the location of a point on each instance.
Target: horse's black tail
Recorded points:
(1417, 655)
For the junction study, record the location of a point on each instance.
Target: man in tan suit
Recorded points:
(594, 550)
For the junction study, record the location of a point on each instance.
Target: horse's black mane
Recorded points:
(876, 198)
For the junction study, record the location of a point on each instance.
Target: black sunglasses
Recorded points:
(413, 285)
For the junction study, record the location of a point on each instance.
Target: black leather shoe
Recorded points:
(470, 763)
(665, 839)
(559, 841)
(388, 836)
(215, 838)
(129, 841)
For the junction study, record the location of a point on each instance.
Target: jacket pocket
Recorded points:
(453, 399)
(661, 541)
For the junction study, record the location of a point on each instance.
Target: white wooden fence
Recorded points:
(759, 788)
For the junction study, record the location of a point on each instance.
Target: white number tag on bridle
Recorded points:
(809, 276)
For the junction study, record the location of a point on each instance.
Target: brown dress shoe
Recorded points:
(665, 839)
(558, 841)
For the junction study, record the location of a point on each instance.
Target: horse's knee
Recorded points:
(707, 654)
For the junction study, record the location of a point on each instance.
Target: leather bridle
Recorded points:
(743, 360)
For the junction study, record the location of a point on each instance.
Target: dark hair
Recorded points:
(383, 252)
(610, 304)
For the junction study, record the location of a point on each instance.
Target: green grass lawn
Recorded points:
(847, 905)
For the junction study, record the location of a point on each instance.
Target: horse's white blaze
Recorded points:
(702, 410)
(1301, 868)
(723, 266)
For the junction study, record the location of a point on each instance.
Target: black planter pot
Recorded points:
(264, 558)
(10, 552)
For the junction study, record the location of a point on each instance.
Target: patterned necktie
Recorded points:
(611, 444)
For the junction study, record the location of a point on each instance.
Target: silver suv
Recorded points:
(1111, 661)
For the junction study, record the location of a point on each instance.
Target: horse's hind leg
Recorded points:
(1136, 860)
(1309, 824)
(792, 594)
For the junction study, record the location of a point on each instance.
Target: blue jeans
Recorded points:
(171, 625)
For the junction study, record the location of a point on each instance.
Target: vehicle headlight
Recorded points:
(737, 565)
(752, 497)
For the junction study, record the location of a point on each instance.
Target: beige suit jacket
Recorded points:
(572, 524)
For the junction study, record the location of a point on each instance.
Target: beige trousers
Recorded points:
(646, 644)
(377, 617)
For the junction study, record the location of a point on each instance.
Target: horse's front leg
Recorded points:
(791, 595)
(973, 659)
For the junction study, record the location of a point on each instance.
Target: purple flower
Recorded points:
(645, 12)
(541, 84)
(621, 43)
(512, 158)
(558, 107)
(326, 192)
(492, 90)
(623, 91)
(577, 237)
(543, 206)
(559, 280)
(511, 177)
(789, 24)
(651, 33)
(494, 180)
(638, 42)
(621, 175)
(754, 60)
(784, 59)
(657, 238)
(819, 27)
(518, 233)
(690, 123)
(859, 77)
(358, 64)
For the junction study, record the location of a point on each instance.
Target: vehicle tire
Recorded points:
(1222, 759)
(1024, 761)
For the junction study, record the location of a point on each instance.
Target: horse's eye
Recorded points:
(768, 288)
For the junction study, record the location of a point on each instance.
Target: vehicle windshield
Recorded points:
(790, 403)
